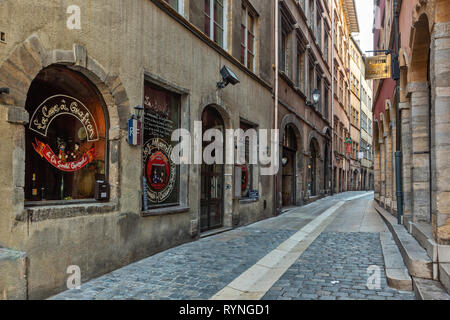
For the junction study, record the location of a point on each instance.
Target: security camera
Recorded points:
(228, 77)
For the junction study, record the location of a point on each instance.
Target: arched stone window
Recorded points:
(66, 138)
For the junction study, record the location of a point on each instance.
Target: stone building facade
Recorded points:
(305, 127)
(355, 114)
(366, 123)
(345, 22)
(162, 55)
(424, 101)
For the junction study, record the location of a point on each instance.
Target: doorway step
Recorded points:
(214, 232)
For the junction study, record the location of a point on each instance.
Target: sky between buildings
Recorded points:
(365, 13)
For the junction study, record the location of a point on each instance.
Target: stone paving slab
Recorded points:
(335, 267)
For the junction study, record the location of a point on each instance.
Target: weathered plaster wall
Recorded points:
(127, 39)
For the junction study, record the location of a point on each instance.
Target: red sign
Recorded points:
(349, 148)
(47, 153)
(158, 171)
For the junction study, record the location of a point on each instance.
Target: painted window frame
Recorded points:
(212, 22)
(178, 5)
(249, 13)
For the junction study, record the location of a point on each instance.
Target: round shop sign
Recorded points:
(160, 170)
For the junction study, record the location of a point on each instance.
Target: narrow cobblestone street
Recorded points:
(334, 266)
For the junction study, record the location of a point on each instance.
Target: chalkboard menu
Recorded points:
(161, 118)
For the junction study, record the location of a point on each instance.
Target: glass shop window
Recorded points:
(66, 138)
(161, 181)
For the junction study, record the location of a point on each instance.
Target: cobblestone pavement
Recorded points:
(198, 270)
(335, 267)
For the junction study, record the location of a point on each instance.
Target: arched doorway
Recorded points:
(66, 139)
(289, 170)
(212, 177)
(313, 168)
(355, 180)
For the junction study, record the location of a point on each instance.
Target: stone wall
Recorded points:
(117, 47)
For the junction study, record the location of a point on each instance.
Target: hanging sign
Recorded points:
(58, 105)
(348, 148)
(378, 67)
(348, 140)
(47, 153)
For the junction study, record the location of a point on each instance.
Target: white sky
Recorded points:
(364, 10)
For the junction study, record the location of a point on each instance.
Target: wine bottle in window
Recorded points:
(34, 189)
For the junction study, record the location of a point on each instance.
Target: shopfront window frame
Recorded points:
(182, 205)
(30, 204)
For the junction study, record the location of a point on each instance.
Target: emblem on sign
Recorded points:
(160, 170)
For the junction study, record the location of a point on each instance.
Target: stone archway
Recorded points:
(24, 64)
(314, 166)
(230, 217)
(290, 121)
(420, 94)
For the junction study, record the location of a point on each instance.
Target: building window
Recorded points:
(326, 45)
(300, 67)
(178, 5)
(326, 102)
(285, 46)
(161, 179)
(311, 15)
(318, 29)
(248, 45)
(302, 4)
(66, 139)
(215, 21)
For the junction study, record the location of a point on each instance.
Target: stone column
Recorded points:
(441, 112)
(421, 150)
(392, 157)
(388, 171)
(407, 157)
(377, 173)
(382, 171)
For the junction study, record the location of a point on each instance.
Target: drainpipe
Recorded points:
(398, 153)
(276, 94)
(332, 100)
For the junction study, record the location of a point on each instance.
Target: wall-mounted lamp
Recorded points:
(228, 77)
(138, 112)
(4, 90)
(316, 96)
(284, 161)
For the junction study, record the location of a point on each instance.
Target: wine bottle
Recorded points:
(34, 190)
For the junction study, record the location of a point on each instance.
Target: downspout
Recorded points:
(276, 95)
(332, 100)
(398, 153)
